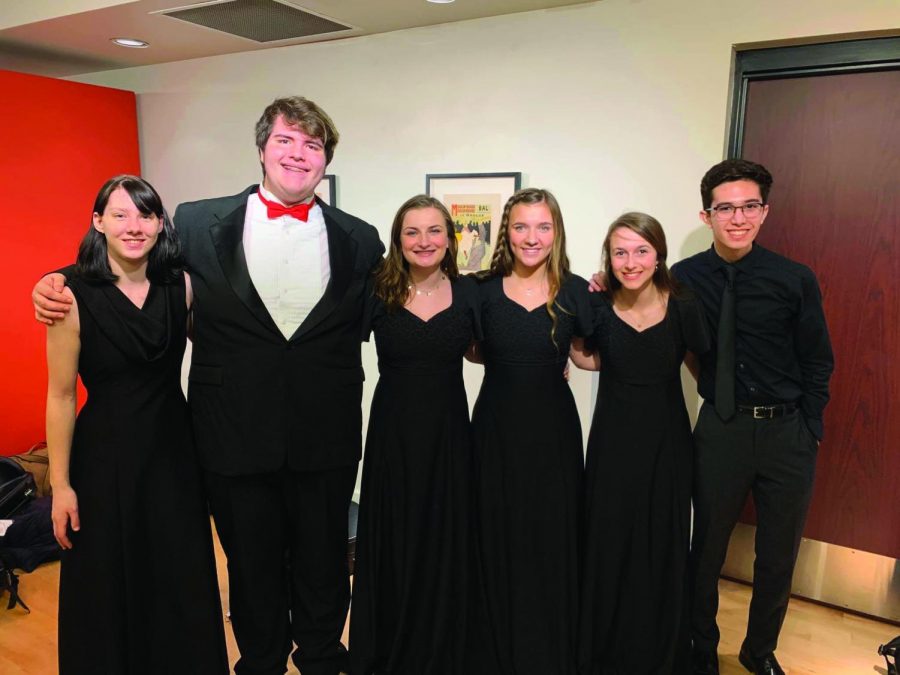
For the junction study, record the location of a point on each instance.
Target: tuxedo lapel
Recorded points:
(341, 257)
(227, 236)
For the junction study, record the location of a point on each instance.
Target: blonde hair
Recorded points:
(557, 262)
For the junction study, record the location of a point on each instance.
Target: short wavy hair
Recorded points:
(303, 113)
(732, 170)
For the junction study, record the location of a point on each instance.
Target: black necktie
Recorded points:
(725, 349)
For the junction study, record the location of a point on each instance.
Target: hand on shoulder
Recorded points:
(51, 299)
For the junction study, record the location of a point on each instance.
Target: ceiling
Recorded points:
(59, 38)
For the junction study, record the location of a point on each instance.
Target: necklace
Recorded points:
(639, 317)
(531, 290)
(427, 292)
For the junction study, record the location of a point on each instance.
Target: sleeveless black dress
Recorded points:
(529, 465)
(638, 496)
(413, 558)
(138, 591)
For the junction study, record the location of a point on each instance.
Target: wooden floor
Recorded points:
(816, 640)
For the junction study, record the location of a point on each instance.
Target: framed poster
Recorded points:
(475, 202)
(326, 190)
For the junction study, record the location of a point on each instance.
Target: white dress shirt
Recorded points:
(287, 260)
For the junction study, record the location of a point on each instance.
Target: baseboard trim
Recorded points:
(846, 578)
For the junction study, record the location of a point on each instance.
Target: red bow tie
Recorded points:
(298, 211)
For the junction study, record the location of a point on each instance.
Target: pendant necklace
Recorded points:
(429, 291)
(530, 291)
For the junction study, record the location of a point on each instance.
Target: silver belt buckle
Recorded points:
(761, 412)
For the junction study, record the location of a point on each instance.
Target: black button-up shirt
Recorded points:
(782, 350)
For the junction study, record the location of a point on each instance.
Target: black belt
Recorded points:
(767, 412)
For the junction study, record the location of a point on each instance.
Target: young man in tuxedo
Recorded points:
(279, 280)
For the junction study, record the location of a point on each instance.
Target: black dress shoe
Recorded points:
(705, 663)
(766, 665)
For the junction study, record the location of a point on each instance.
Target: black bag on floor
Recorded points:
(25, 543)
(17, 487)
(29, 541)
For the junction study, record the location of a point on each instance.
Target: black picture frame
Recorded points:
(326, 190)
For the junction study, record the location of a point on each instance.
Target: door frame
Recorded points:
(857, 581)
(801, 61)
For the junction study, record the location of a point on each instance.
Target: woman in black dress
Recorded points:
(413, 559)
(138, 592)
(528, 445)
(639, 457)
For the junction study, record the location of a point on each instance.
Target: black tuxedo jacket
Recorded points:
(259, 401)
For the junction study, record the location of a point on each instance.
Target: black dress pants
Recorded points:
(775, 459)
(285, 537)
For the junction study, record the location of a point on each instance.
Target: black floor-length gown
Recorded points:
(412, 580)
(529, 459)
(638, 496)
(138, 592)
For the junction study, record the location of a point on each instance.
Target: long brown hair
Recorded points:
(647, 227)
(392, 275)
(557, 262)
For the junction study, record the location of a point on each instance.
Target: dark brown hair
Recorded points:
(731, 170)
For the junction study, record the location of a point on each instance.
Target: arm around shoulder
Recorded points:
(47, 296)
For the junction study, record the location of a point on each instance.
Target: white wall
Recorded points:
(614, 105)
(22, 13)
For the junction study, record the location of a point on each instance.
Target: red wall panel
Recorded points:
(59, 141)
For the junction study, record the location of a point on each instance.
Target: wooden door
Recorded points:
(832, 143)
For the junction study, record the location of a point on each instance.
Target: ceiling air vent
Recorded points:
(258, 20)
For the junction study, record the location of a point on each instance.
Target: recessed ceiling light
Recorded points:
(130, 42)
(441, 2)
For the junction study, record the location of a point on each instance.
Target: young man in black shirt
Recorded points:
(764, 385)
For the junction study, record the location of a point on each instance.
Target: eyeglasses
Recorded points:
(750, 210)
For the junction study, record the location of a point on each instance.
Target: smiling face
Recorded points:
(633, 259)
(130, 234)
(531, 234)
(294, 163)
(733, 237)
(424, 239)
